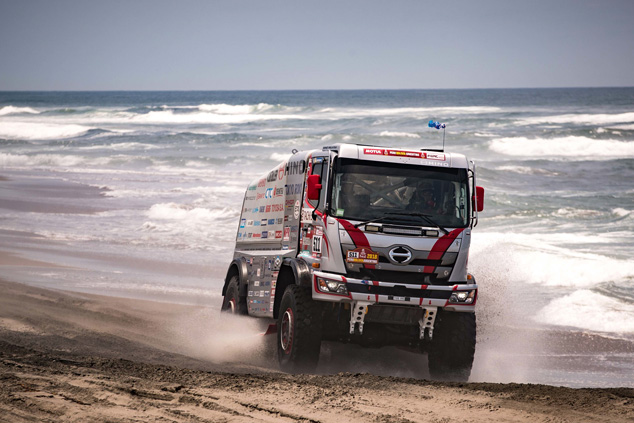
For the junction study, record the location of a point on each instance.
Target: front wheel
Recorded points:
(233, 303)
(298, 331)
(453, 346)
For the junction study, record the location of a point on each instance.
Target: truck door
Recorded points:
(312, 230)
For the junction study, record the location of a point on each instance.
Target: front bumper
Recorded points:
(377, 292)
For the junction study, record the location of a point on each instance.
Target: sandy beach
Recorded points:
(78, 357)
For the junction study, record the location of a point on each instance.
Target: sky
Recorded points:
(298, 44)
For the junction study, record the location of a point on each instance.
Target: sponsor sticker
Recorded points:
(307, 214)
(402, 153)
(296, 209)
(362, 255)
(375, 151)
(287, 234)
(435, 156)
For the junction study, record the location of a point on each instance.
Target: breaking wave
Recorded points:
(398, 134)
(583, 119)
(12, 110)
(168, 116)
(545, 259)
(40, 131)
(576, 310)
(53, 160)
(173, 211)
(243, 109)
(569, 147)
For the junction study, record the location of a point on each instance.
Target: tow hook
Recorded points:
(426, 324)
(358, 311)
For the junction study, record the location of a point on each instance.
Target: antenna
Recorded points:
(438, 125)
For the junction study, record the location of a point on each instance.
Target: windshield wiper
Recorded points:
(378, 219)
(423, 216)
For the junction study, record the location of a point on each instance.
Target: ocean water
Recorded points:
(138, 194)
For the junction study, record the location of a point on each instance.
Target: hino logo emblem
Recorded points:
(400, 255)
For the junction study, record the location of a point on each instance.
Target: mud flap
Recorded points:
(271, 330)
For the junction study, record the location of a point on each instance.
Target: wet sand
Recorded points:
(77, 357)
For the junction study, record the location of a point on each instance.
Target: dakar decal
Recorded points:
(362, 255)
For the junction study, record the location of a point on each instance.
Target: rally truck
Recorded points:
(365, 245)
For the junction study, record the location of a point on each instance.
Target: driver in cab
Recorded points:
(425, 199)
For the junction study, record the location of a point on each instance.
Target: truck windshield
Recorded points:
(395, 193)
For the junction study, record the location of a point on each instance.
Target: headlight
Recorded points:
(462, 297)
(332, 287)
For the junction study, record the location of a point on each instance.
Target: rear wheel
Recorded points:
(298, 331)
(233, 303)
(453, 346)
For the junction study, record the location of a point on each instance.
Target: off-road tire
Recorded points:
(233, 302)
(299, 326)
(453, 346)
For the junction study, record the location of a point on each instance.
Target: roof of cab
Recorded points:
(401, 155)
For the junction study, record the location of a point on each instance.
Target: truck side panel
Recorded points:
(269, 230)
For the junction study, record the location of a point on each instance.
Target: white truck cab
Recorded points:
(361, 244)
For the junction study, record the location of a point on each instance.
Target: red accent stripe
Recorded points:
(440, 247)
(358, 237)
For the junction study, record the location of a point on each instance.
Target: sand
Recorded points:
(76, 357)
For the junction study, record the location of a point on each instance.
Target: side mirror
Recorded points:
(314, 187)
(480, 199)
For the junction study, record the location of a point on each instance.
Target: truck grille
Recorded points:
(395, 276)
(399, 291)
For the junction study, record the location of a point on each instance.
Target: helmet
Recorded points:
(425, 194)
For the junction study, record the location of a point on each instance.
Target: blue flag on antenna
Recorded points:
(437, 125)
